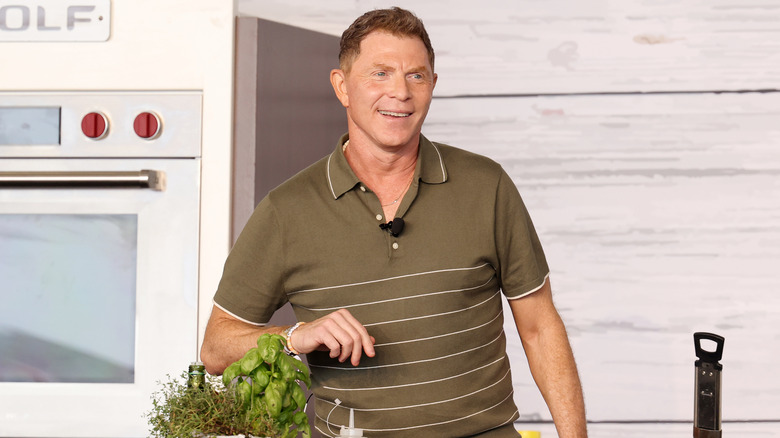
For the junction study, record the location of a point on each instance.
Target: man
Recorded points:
(395, 251)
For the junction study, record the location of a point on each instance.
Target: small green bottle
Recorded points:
(196, 376)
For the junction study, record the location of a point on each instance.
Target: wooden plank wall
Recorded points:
(644, 138)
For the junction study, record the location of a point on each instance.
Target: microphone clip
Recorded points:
(394, 227)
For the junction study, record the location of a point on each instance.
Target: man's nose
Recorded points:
(400, 88)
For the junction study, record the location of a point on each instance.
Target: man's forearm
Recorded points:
(227, 340)
(552, 365)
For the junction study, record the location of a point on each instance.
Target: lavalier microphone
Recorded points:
(394, 227)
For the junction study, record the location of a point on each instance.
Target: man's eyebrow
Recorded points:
(416, 69)
(420, 69)
(381, 66)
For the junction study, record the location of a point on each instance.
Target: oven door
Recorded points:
(98, 291)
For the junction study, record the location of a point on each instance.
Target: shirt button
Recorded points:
(379, 217)
(395, 245)
(362, 188)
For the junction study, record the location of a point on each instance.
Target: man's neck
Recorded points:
(387, 174)
(370, 162)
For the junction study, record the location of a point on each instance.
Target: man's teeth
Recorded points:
(390, 113)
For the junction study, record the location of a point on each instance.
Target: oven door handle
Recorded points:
(142, 179)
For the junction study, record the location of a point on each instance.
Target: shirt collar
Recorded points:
(341, 179)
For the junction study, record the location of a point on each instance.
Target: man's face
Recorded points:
(388, 90)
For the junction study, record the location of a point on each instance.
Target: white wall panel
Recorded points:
(563, 46)
(660, 215)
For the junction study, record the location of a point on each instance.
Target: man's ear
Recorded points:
(339, 81)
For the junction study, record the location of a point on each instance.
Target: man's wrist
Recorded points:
(288, 338)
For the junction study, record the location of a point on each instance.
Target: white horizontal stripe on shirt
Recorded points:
(410, 297)
(433, 359)
(427, 382)
(434, 315)
(435, 424)
(396, 408)
(363, 283)
(441, 336)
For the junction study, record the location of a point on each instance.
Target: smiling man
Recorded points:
(386, 84)
(400, 299)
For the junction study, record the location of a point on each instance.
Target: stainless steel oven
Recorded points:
(99, 225)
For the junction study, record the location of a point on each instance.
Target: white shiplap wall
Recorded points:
(644, 138)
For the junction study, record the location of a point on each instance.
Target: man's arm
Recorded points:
(227, 338)
(551, 360)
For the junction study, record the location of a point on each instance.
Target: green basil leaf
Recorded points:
(230, 373)
(286, 367)
(250, 361)
(305, 378)
(273, 400)
(245, 393)
(298, 395)
(300, 418)
(260, 378)
(271, 348)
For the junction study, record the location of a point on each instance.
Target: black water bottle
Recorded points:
(707, 401)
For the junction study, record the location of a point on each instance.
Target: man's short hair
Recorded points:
(395, 21)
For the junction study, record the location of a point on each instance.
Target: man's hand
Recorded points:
(338, 332)
(227, 338)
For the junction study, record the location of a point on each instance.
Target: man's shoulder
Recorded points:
(458, 159)
(459, 152)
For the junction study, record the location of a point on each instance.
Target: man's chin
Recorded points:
(399, 144)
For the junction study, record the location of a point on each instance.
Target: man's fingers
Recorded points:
(359, 340)
(347, 332)
(339, 333)
(352, 337)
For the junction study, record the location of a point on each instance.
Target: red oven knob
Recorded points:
(94, 125)
(147, 125)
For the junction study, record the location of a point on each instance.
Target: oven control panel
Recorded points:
(100, 124)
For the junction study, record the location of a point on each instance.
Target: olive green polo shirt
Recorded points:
(431, 296)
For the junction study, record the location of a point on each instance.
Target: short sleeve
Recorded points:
(252, 285)
(522, 264)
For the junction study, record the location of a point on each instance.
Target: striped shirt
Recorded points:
(431, 297)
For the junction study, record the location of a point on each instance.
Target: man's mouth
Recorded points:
(394, 114)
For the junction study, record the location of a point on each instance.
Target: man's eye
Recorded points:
(417, 76)
(381, 73)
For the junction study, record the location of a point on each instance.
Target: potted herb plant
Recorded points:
(259, 395)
